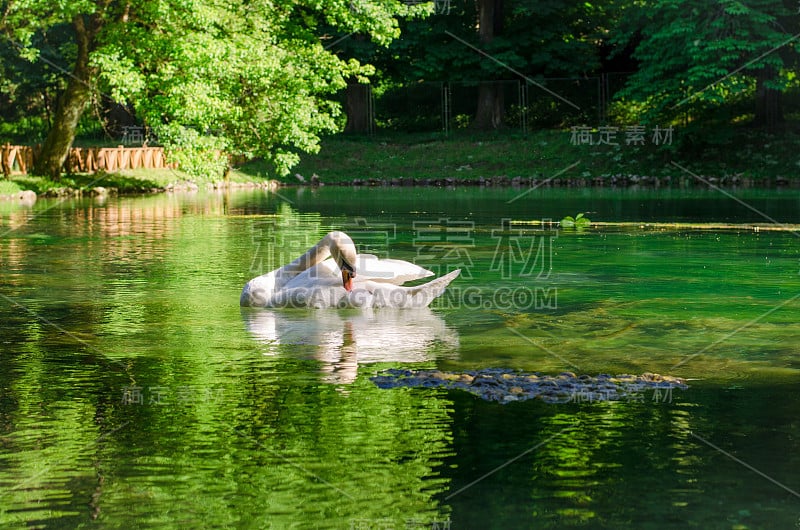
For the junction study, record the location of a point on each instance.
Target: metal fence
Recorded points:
(448, 106)
(445, 107)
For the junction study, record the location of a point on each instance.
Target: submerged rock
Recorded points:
(505, 386)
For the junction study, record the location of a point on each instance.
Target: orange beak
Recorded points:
(347, 280)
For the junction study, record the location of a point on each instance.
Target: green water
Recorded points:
(135, 393)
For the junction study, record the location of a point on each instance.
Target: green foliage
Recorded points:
(29, 86)
(535, 37)
(697, 56)
(198, 155)
(263, 79)
(24, 129)
(255, 76)
(578, 222)
(8, 187)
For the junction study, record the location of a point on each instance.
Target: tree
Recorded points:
(72, 101)
(698, 56)
(533, 37)
(491, 101)
(28, 89)
(249, 77)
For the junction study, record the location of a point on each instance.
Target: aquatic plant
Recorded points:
(579, 221)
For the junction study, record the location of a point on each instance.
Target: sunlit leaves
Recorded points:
(119, 72)
(702, 54)
(254, 75)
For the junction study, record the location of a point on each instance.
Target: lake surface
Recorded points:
(135, 393)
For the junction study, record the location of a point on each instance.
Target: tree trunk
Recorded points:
(769, 111)
(357, 108)
(491, 105)
(69, 106)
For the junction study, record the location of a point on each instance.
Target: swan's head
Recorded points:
(343, 252)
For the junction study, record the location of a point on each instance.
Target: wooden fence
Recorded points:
(19, 159)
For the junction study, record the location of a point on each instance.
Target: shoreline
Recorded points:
(618, 181)
(31, 196)
(611, 181)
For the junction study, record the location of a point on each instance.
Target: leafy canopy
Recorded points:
(250, 77)
(700, 54)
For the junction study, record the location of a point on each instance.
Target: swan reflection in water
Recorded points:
(343, 340)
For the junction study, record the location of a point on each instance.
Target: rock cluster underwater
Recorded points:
(505, 386)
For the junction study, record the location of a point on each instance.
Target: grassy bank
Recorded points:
(8, 187)
(746, 154)
(124, 182)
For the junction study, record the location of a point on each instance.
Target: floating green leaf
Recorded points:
(579, 221)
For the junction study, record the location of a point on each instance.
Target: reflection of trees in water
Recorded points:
(280, 237)
(570, 463)
(132, 228)
(358, 453)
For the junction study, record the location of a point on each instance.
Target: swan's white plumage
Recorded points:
(312, 280)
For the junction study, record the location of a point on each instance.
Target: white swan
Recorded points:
(347, 280)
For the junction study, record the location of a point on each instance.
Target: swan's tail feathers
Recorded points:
(425, 294)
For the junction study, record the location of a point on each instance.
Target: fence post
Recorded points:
(446, 103)
(523, 105)
(370, 110)
(4, 160)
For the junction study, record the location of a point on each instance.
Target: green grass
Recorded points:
(463, 155)
(8, 187)
(542, 154)
(127, 181)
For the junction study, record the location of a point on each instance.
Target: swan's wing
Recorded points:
(321, 274)
(394, 271)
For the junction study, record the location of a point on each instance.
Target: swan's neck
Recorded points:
(316, 254)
